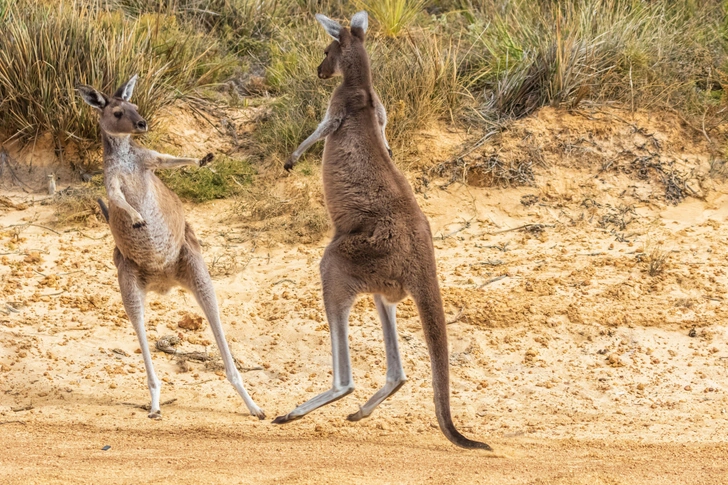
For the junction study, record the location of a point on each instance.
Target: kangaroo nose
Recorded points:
(142, 125)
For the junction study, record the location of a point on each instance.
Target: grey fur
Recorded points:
(332, 27)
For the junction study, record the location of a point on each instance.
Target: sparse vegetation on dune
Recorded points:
(223, 178)
(474, 64)
(47, 48)
(656, 54)
(456, 60)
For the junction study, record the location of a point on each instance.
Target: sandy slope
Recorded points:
(576, 365)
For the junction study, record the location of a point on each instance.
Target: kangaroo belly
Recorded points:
(155, 246)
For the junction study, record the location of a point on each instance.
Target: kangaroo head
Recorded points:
(118, 115)
(345, 42)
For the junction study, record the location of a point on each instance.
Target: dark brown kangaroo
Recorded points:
(382, 242)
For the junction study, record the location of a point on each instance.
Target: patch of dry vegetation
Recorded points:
(289, 212)
(79, 204)
(47, 48)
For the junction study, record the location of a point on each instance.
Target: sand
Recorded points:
(567, 355)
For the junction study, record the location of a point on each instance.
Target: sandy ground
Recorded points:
(567, 356)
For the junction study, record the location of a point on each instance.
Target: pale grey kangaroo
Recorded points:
(382, 242)
(155, 248)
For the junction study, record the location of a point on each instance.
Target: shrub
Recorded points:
(46, 49)
(223, 178)
(529, 54)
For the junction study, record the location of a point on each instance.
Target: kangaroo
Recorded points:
(156, 249)
(382, 242)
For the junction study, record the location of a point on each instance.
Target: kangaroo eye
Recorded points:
(118, 114)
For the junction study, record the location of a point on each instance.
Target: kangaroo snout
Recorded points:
(141, 126)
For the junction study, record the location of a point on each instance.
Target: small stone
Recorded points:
(33, 257)
(614, 360)
(191, 322)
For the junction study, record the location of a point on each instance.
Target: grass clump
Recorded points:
(243, 26)
(527, 54)
(392, 16)
(225, 177)
(46, 48)
(78, 204)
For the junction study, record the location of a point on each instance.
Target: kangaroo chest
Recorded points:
(156, 245)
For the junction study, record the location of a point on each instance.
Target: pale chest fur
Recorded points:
(156, 245)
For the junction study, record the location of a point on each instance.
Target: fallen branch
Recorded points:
(147, 407)
(464, 226)
(166, 345)
(457, 317)
(11, 308)
(493, 280)
(34, 225)
(525, 226)
(491, 262)
(6, 202)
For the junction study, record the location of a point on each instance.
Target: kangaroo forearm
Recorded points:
(117, 198)
(324, 129)
(170, 161)
(306, 144)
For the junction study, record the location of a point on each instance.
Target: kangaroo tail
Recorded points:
(432, 315)
(104, 209)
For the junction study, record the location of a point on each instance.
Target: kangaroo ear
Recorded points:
(125, 90)
(332, 27)
(361, 20)
(92, 97)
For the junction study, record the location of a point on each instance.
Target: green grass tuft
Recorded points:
(225, 177)
(392, 16)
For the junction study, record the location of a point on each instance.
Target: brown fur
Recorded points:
(155, 248)
(382, 242)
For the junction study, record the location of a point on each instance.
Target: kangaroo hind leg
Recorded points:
(132, 296)
(338, 295)
(395, 373)
(194, 276)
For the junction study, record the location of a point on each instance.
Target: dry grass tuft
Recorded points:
(47, 48)
(656, 260)
(291, 212)
(77, 205)
(392, 16)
